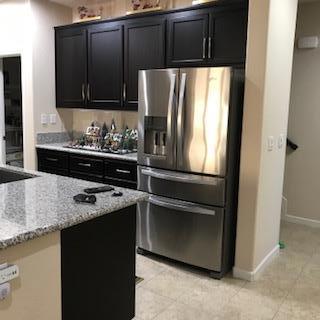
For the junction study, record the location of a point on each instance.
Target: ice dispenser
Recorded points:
(155, 135)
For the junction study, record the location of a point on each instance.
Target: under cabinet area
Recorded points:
(116, 172)
(97, 63)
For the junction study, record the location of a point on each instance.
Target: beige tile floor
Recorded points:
(289, 288)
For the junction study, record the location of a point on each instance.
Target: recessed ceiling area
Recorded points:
(304, 1)
(72, 3)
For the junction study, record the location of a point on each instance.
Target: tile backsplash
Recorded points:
(83, 118)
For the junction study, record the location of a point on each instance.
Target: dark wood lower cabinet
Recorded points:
(119, 173)
(98, 268)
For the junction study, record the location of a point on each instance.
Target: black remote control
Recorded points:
(98, 189)
(85, 198)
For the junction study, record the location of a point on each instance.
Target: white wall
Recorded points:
(302, 177)
(46, 15)
(26, 29)
(34, 295)
(268, 77)
(13, 15)
(115, 8)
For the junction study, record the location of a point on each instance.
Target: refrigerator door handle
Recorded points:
(180, 115)
(171, 106)
(179, 177)
(179, 205)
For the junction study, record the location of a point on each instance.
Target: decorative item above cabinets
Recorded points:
(97, 63)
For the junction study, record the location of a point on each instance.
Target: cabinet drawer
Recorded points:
(52, 159)
(121, 170)
(89, 166)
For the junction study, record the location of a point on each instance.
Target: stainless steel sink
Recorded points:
(11, 176)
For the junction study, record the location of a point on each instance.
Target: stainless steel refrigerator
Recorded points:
(188, 159)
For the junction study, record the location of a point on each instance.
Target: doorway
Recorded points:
(302, 174)
(11, 135)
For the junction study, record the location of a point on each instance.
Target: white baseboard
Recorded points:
(300, 220)
(253, 275)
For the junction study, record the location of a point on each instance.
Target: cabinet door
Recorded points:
(227, 41)
(71, 67)
(144, 49)
(105, 66)
(187, 39)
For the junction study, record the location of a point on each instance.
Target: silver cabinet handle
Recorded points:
(123, 171)
(209, 47)
(88, 92)
(180, 115)
(83, 93)
(184, 178)
(171, 106)
(180, 206)
(204, 48)
(124, 92)
(84, 164)
(52, 159)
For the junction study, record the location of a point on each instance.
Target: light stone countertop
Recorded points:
(61, 147)
(34, 207)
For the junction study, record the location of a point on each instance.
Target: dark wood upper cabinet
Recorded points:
(187, 38)
(71, 67)
(144, 48)
(97, 64)
(215, 37)
(228, 36)
(105, 66)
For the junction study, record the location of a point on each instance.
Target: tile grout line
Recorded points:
(293, 285)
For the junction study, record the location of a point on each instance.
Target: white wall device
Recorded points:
(270, 143)
(5, 289)
(44, 119)
(308, 42)
(8, 273)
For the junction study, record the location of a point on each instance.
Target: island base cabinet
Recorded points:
(98, 268)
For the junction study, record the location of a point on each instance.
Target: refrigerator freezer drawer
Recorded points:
(181, 231)
(183, 186)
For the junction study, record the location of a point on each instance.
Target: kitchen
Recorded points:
(154, 40)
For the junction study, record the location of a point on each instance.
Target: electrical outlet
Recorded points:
(5, 289)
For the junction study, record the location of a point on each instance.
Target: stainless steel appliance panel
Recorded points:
(181, 230)
(157, 113)
(184, 186)
(202, 120)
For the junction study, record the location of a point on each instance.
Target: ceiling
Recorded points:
(72, 3)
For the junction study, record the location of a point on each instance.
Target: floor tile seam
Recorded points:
(159, 294)
(147, 281)
(165, 309)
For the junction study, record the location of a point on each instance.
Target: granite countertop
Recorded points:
(34, 207)
(61, 147)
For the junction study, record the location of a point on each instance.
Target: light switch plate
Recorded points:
(9, 273)
(53, 118)
(44, 119)
(281, 141)
(270, 143)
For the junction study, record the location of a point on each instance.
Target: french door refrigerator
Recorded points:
(188, 159)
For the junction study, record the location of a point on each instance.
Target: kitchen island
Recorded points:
(76, 261)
